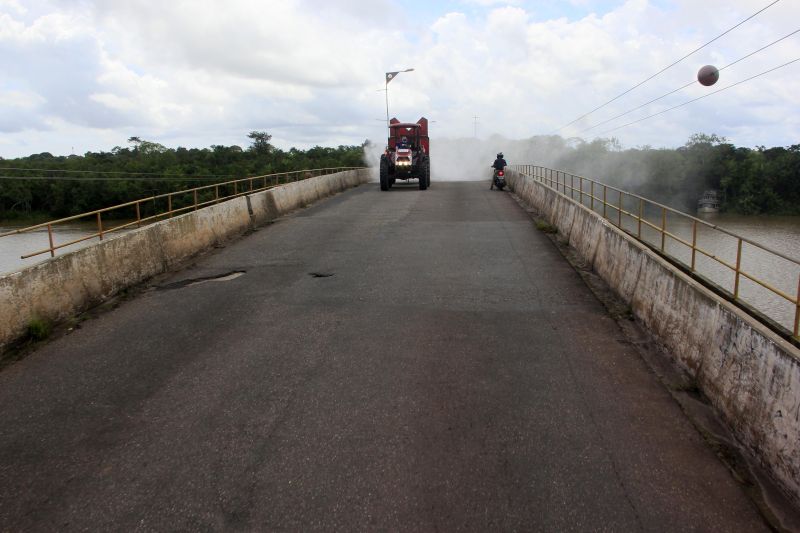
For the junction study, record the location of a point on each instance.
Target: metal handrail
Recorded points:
(268, 181)
(558, 181)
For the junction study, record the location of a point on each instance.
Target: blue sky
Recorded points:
(87, 75)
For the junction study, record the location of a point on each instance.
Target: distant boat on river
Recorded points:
(709, 202)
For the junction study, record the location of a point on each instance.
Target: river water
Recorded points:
(13, 247)
(779, 233)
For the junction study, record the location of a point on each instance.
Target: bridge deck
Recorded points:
(452, 371)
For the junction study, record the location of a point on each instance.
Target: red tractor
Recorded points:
(407, 154)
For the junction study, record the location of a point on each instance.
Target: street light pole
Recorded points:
(389, 77)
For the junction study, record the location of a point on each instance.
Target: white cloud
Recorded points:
(309, 72)
(491, 3)
(21, 99)
(14, 6)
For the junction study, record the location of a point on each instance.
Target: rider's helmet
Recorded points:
(403, 139)
(500, 155)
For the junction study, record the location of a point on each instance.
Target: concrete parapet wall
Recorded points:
(63, 286)
(749, 373)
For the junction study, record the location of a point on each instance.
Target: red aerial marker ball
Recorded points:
(708, 75)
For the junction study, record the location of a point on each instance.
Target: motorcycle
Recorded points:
(498, 179)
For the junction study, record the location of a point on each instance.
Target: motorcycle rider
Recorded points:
(499, 164)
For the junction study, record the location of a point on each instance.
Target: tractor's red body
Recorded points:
(407, 154)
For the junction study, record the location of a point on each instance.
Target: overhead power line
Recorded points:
(667, 67)
(687, 85)
(701, 97)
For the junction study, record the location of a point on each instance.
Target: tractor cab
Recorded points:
(404, 136)
(416, 135)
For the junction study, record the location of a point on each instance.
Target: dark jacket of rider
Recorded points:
(499, 163)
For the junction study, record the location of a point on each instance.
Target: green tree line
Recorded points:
(157, 169)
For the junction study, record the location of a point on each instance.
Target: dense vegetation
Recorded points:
(752, 181)
(167, 170)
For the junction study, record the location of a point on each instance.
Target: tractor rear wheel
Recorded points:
(428, 171)
(424, 175)
(384, 174)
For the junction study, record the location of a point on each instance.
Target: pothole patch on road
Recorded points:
(228, 276)
(320, 274)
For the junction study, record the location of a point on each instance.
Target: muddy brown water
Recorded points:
(13, 247)
(781, 234)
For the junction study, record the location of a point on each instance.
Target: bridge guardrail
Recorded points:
(153, 208)
(660, 226)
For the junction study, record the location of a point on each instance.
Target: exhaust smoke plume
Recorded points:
(673, 176)
(470, 159)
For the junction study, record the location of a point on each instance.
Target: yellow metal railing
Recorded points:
(637, 215)
(169, 204)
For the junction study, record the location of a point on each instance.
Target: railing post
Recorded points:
(604, 200)
(138, 216)
(619, 211)
(797, 311)
(572, 186)
(694, 242)
(195, 199)
(169, 205)
(663, 227)
(235, 187)
(99, 226)
(50, 237)
(580, 181)
(738, 269)
(591, 195)
(641, 213)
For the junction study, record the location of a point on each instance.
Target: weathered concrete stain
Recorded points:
(750, 374)
(61, 287)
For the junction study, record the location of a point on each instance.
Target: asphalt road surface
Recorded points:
(405, 360)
